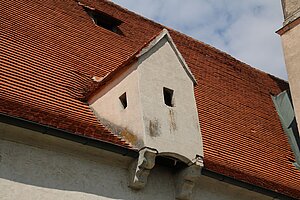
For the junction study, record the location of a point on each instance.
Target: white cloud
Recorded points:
(244, 29)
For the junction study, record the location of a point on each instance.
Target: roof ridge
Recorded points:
(227, 55)
(133, 13)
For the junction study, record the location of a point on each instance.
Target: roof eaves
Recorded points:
(63, 134)
(249, 186)
(288, 26)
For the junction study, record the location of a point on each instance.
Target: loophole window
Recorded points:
(168, 96)
(123, 100)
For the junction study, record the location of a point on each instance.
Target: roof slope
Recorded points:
(49, 51)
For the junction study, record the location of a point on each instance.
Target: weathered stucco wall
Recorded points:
(169, 129)
(291, 48)
(38, 166)
(147, 120)
(108, 108)
(291, 10)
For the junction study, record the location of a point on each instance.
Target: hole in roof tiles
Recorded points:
(104, 20)
(168, 96)
(123, 100)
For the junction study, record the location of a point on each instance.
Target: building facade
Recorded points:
(290, 33)
(98, 102)
(291, 45)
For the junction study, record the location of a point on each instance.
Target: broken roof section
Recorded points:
(102, 19)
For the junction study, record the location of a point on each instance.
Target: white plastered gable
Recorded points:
(146, 120)
(166, 35)
(160, 117)
(151, 104)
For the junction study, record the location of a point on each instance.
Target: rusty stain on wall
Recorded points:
(173, 126)
(123, 132)
(154, 128)
(130, 137)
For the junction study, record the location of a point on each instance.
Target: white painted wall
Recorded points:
(178, 128)
(37, 166)
(147, 121)
(291, 48)
(108, 108)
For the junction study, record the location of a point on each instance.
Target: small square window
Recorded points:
(168, 96)
(123, 100)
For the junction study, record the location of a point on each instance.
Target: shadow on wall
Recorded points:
(283, 85)
(47, 174)
(293, 124)
(295, 131)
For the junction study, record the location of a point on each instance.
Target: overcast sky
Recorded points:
(243, 28)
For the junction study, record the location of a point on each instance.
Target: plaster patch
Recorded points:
(173, 126)
(154, 128)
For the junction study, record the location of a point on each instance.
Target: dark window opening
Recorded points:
(123, 100)
(168, 96)
(172, 163)
(104, 20)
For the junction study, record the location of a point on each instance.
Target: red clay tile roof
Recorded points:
(49, 50)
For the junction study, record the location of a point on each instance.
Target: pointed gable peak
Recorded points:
(164, 34)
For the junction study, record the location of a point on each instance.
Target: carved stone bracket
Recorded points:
(186, 178)
(140, 169)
